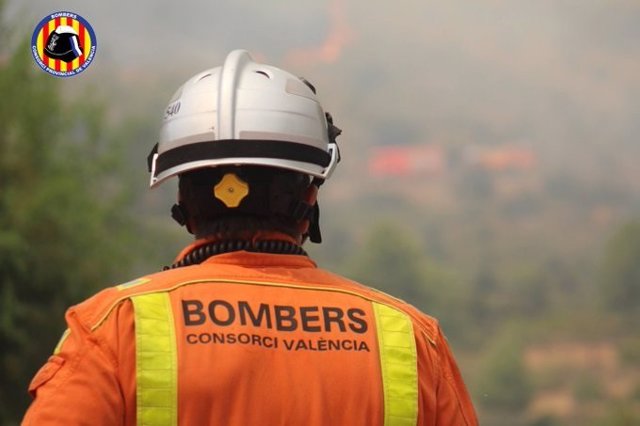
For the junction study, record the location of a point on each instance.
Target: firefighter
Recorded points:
(243, 328)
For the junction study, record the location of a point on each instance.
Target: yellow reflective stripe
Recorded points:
(156, 360)
(399, 365)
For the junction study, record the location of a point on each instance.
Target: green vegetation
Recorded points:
(393, 262)
(588, 389)
(620, 274)
(619, 414)
(502, 378)
(64, 232)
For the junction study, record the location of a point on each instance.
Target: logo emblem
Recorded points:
(231, 190)
(63, 44)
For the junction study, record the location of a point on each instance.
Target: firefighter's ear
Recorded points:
(311, 195)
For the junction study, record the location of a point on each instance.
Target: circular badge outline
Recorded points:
(40, 62)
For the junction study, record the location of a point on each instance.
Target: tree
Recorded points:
(503, 381)
(63, 225)
(620, 271)
(392, 261)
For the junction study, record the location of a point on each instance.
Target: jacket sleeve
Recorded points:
(78, 385)
(454, 406)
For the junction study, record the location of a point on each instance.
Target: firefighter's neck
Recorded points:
(248, 236)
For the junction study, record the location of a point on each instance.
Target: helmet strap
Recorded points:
(314, 225)
(179, 214)
(309, 221)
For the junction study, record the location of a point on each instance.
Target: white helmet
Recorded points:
(245, 113)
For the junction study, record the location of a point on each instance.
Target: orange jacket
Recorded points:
(248, 338)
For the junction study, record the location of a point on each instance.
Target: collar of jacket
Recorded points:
(260, 236)
(260, 260)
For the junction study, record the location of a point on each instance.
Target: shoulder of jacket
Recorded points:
(424, 324)
(96, 309)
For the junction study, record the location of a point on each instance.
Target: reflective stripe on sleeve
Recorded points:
(156, 360)
(398, 364)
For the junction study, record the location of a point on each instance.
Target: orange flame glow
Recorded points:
(329, 51)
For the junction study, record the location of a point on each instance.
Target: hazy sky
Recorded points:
(557, 75)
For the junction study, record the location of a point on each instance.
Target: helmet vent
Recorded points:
(309, 85)
(204, 76)
(263, 73)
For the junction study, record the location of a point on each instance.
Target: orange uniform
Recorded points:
(245, 339)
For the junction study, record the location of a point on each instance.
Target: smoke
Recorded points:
(338, 37)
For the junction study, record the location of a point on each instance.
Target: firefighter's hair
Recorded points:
(269, 206)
